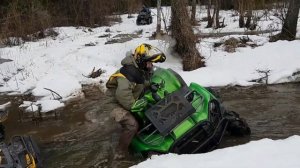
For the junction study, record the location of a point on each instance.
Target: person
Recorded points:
(146, 10)
(127, 85)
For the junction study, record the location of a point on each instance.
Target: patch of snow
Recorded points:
(264, 153)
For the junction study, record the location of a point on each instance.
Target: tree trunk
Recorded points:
(226, 4)
(158, 26)
(130, 8)
(216, 22)
(289, 28)
(241, 11)
(193, 14)
(248, 21)
(183, 34)
(209, 18)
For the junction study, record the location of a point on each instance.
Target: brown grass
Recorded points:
(20, 18)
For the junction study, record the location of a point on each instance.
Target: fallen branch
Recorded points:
(53, 92)
(265, 78)
(95, 74)
(222, 34)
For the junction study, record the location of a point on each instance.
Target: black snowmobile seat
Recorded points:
(170, 111)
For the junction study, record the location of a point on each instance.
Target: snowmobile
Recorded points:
(21, 152)
(144, 17)
(177, 118)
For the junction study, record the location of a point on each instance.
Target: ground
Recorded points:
(83, 135)
(75, 130)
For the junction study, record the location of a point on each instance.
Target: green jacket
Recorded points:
(126, 90)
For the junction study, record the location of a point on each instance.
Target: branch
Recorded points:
(95, 74)
(53, 92)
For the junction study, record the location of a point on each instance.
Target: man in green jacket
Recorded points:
(127, 85)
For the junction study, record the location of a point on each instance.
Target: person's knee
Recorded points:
(131, 123)
(135, 126)
(119, 114)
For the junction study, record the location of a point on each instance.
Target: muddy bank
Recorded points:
(83, 135)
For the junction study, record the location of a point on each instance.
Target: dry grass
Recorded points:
(232, 43)
(20, 18)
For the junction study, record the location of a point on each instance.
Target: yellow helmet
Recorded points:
(147, 53)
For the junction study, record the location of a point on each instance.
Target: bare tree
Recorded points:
(216, 22)
(158, 26)
(209, 18)
(245, 8)
(132, 6)
(226, 4)
(289, 29)
(241, 10)
(248, 16)
(213, 21)
(183, 34)
(193, 14)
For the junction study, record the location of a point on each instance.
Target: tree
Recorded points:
(183, 34)
(216, 22)
(213, 21)
(158, 26)
(209, 18)
(226, 4)
(193, 14)
(130, 6)
(241, 10)
(245, 8)
(289, 29)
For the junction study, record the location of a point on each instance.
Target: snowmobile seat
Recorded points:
(170, 111)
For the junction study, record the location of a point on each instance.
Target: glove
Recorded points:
(154, 87)
(139, 105)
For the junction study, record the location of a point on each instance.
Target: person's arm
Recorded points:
(124, 93)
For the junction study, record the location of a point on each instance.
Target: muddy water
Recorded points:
(271, 111)
(83, 135)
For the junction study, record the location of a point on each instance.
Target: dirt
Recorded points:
(121, 38)
(83, 135)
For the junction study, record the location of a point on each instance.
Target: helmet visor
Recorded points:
(155, 55)
(160, 57)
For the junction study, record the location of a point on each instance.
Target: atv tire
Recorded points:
(237, 126)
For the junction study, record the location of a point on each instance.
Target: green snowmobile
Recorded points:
(177, 118)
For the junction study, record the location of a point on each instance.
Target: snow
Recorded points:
(54, 69)
(4, 106)
(265, 153)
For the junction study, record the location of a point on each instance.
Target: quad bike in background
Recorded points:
(178, 118)
(144, 17)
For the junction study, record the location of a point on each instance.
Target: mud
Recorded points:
(83, 135)
(271, 111)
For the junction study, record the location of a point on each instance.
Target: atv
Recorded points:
(144, 17)
(177, 118)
